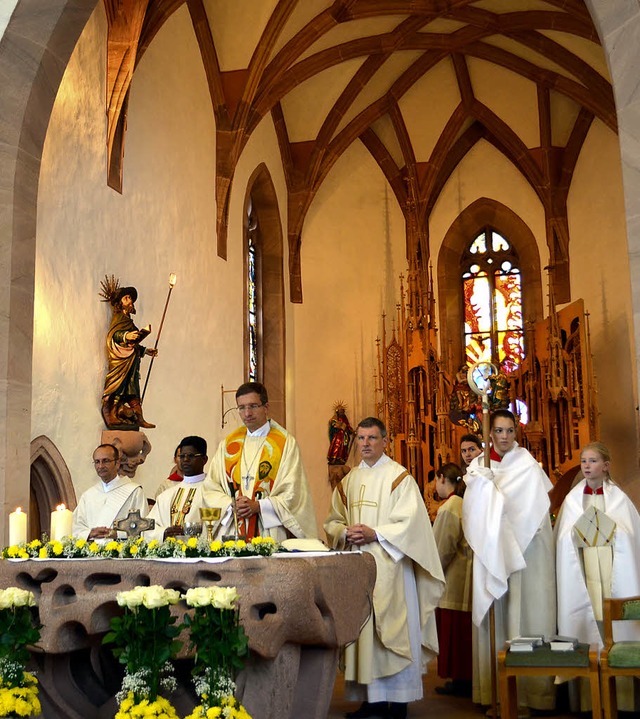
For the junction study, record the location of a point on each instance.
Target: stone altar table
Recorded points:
(297, 610)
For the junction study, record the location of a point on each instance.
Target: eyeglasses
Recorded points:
(98, 462)
(188, 457)
(248, 407)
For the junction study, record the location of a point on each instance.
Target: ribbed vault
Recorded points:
(418, 82)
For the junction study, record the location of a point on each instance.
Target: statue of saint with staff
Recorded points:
(121, 399)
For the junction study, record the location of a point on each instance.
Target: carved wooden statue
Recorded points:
(121, 402)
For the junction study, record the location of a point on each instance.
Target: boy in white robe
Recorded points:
(506, 522)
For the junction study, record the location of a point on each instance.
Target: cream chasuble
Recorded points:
(103, 504)
(266, 467)
(409, 579)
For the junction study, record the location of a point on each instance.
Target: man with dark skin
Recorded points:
(181, 503)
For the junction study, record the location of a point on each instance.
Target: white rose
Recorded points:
(132, 598)
(224, 597)
(22, 597)
(172, 596)
(198, 596)
(16, 597)
(154, 597)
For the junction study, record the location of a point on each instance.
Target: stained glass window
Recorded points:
(492, 292)
(253, 295)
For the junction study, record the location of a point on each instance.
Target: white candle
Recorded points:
(17, 526)
(61, 523)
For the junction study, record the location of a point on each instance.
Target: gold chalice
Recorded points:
(210, 515)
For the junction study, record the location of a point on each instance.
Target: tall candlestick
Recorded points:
(61, 523)
(17, 526)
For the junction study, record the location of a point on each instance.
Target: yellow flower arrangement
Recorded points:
(23, 700)
(161, 708)
(139, 548)
(18, 629)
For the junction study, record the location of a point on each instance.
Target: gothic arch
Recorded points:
(468, 224)
(50, 484)
(262, 195)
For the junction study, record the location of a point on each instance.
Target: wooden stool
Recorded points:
(542, 662)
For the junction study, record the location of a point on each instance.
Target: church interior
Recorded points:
(327, 179)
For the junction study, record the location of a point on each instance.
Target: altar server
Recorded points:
(378, 508)
(589, 569)
(111, 498)
(506, 522)
(453, 615)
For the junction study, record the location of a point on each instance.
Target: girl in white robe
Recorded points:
(576, 615)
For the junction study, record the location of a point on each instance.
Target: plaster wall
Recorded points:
(353, 251)
(485, 172)
(163, 222)
(6, 10)
(600, 275)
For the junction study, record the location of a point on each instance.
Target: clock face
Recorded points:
(479, 375)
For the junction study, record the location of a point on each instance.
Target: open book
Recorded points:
(142, 333)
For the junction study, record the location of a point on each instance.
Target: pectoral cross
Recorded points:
(246, 481)
(362, 502)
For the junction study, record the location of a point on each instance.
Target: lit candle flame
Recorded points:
(61, 508)
(173, 279)
(18, 509)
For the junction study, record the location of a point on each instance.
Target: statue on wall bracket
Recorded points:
(121, 398)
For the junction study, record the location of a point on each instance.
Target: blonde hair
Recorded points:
(601, 449)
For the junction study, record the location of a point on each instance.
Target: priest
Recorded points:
(506, 521)
(111, 498)
(378, 508)
(181, 502)
(257, 471)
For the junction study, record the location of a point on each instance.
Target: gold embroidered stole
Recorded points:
(268, 467)
(179, 510)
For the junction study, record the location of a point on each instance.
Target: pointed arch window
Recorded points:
(253, 309)
(492, 296)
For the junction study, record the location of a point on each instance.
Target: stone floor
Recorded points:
(433, 705)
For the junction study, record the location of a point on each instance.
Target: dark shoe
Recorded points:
(366, 709)
(447, 689)
(397, 710)
(461, 688)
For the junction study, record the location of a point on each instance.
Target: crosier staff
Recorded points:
(478, 378)
(172, 283)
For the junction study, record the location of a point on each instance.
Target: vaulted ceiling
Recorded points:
(418, 82)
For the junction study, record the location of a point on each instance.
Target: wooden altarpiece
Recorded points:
(555, 386)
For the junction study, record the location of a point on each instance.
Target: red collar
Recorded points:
(588, 490)
(495, 456)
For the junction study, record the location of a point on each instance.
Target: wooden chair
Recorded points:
(618, 659)
(542, 662)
